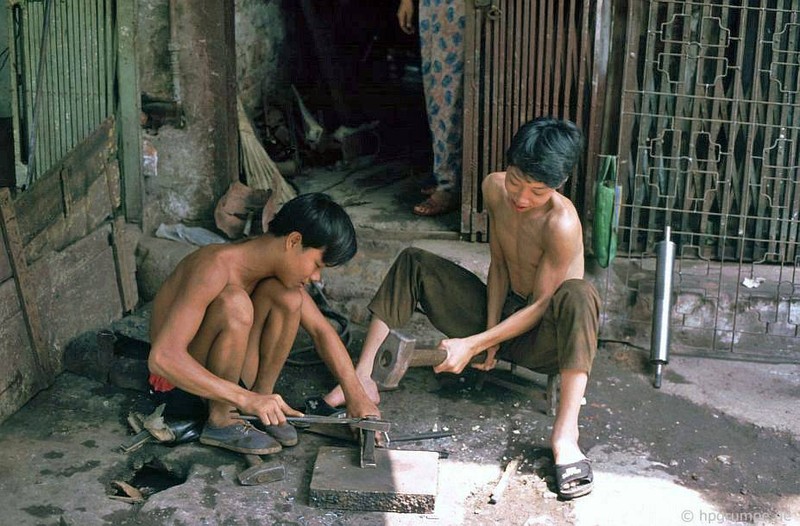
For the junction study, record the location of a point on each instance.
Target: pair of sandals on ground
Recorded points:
(572, 480)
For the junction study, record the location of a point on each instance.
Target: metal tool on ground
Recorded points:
(662, 306)
(431, 435)
(398, 352)
(372, 424)
(366, 442)
(259, 472)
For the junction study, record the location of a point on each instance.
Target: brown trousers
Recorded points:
(454, 300)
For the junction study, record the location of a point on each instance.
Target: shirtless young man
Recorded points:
(228, 316)
(535, 310)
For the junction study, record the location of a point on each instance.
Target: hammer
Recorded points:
(396, 354)
(258, 472)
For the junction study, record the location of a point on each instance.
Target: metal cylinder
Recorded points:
(662, 305)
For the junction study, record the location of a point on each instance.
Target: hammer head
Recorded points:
(392, 360)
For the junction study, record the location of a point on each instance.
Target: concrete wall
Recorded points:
(262, 58)
(192, 172)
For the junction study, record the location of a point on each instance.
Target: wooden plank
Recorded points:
(85, 215)
(129, 108)
(45, 373)
(46, 201)
(79, 287)
(9, 301)
(125, 263)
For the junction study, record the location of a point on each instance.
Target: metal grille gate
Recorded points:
(63, 76)
(709, 138)
(529, 58)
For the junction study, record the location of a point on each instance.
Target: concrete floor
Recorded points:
(719, 443)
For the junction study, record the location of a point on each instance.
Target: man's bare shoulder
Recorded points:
(493, 186)
(562, 219)
(206, 263)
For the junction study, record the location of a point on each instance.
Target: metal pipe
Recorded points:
(662, 306)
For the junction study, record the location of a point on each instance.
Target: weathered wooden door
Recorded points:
(25, 364)
(66, 250)
(530, 58)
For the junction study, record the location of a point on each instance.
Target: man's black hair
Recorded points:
(546, 150)
(323, 224)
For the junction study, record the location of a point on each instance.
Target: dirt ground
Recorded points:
(658, 458)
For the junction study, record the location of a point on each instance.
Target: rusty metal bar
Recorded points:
(495, 33)
(536, 58)
(602, 41)
(540, 46)
(519, 86)
(525, 72)
(559, 28)
(508, 79)
(470, 176)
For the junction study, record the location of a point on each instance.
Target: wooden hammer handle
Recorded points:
(433, 357)
(427, 357)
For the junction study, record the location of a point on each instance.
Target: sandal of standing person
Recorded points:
(440, 202)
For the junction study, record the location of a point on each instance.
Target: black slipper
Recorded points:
(568, 474)
(316, 405)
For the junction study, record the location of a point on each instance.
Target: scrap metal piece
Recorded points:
(259, 472)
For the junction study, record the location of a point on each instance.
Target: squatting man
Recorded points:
(224, 321)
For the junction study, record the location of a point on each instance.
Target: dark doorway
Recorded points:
(356, 69)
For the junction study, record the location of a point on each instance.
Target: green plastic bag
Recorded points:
(607, 197)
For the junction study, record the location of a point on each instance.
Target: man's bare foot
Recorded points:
(371, 388)
(573, 471)
(336, 397)
(222, 417)
(566, 452)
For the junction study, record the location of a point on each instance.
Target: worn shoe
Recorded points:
(286, 434)
(241, 437)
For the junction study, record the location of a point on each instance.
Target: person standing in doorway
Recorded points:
(441, 36)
